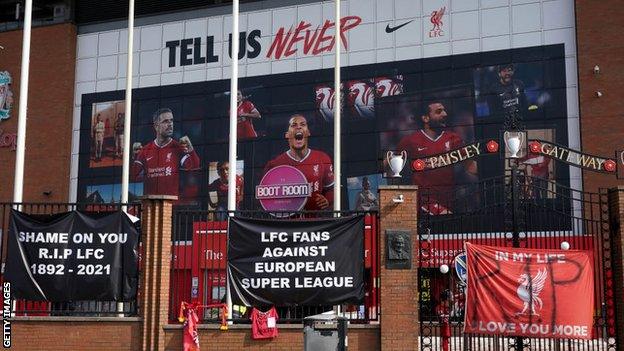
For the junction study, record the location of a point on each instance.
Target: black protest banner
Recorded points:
(284, 263)
(72, 256)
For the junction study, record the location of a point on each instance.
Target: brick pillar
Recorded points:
(155, 268)
(399, 287)
(616, 219)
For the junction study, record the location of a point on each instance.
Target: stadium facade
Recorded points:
(182, 63)
(551, 66)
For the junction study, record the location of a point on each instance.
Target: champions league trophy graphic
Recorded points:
(514, 141)
(396, 162)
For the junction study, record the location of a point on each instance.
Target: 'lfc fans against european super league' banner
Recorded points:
(529, 292)
(308, 262)
(72, 256)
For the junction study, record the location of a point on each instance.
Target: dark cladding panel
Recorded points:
(91, 11)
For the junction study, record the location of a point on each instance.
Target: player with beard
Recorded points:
(507, 94)
(433, 139)
(159, 162)
(315, 165)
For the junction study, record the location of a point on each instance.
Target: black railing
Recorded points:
(510, 211)
(199, 265)
(64, 308)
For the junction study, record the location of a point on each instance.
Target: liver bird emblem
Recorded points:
(436, 18)
(529, 290)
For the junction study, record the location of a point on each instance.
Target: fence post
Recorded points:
(399, 287)
(155, 268)
(616, 219)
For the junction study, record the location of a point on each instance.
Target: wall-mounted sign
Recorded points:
(572, 157)
(8, 139)
(452, 157)
(313, 39)
(283, 188)
(436, 21)
(6, 95)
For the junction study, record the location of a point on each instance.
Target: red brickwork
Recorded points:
(290, 339)
(62, 334)
(156, 265)
(598, 28)
(50, 111)
(399, 303)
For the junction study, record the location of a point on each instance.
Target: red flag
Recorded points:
(191, 338)
(529, 292)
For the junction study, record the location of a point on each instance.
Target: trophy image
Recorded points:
(514, 142)
(396, 162)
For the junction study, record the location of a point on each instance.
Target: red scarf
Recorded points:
(188, 315)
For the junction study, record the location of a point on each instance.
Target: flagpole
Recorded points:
(233, 137)
(337, 113)
(337, 117)
(18, 185)
(125, 172)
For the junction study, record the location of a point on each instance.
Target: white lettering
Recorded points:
(326, 282)
(41, 237)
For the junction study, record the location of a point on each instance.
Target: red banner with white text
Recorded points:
(529, 292)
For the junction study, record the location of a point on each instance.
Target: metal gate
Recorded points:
(513, 210)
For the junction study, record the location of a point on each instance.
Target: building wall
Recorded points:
(599, 24)
(66, 333)
(51, 87)
(290, 338)
(468, 27)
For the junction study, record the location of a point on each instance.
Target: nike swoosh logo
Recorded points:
(421, 148)
(392, 29)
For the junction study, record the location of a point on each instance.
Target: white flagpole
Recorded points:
(337, 117)
(233, 119)
(18, 185)
(125, 173)
(337, 113)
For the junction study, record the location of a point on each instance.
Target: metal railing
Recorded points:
(64, 308)
(199, 260)
(509, 211)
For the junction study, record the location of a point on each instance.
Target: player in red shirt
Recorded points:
(220, 186)
(434, 139)
(315, 165)
(159, 162)
(246, 112)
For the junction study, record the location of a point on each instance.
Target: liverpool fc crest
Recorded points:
(529, 291)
